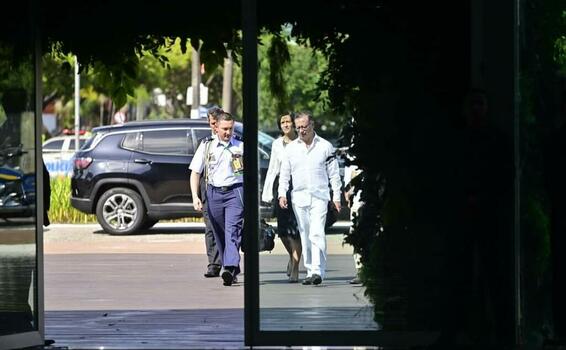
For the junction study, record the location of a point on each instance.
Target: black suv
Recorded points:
(133, 175)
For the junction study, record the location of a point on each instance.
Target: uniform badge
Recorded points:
(237, 164)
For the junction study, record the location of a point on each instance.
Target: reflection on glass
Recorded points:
(17, 193)
(543, 172)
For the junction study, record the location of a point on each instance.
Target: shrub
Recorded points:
(61, 211)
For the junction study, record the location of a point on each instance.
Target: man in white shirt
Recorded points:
(224, 195)
(310, 162)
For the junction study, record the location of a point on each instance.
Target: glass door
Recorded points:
(423, 104)
(20, 197)
(325, 72)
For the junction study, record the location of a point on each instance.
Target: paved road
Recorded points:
(87, 269)
(167, 238)
(157, 274)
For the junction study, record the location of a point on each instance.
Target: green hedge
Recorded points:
(61, 211)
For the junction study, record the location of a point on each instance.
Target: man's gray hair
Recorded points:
(305, 115)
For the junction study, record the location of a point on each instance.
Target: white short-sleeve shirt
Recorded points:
(218, 157)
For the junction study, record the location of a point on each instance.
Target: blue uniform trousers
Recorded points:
(225, 208)
(214, 257)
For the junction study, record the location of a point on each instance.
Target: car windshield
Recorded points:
(90, 142)
(72, 144)
(54, 145)
(264, 140)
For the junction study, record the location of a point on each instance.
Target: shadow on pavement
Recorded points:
(161, 231)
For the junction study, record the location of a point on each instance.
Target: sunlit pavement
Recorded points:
(164, 238)
(162, 268)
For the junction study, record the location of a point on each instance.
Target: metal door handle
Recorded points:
(142, 161)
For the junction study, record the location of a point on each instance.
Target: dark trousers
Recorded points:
(226, 211)
(214, 257)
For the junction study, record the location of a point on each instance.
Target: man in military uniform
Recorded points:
(222, 161)
(214, 258)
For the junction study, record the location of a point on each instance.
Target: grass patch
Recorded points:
(61, 211)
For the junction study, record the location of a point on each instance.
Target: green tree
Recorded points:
(168, 68)
(299, 79)
(290, 83)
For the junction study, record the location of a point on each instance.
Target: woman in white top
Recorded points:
(287, 228)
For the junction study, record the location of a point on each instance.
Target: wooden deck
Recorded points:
(187, 329)
(147, 329)
(187, 312)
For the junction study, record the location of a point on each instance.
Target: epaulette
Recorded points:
(206, 139)
(238, 137)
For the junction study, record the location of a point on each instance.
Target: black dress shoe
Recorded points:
(212, 272)
(316, 279)
(307, 281)
(227, 277)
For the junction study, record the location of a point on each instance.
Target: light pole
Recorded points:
(195, 83)
(227, 84)
(77, 103)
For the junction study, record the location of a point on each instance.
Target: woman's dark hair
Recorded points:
(290, 114)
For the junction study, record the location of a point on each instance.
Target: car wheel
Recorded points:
(120, 211)
(148, 223)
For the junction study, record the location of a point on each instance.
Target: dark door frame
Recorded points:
(35, 337)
